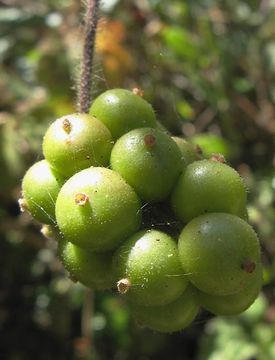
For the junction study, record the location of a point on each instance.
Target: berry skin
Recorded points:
(149, 160)
(75, 142)
(171, 317)
(97, 209)
(220, 253)
(232, 304)
(89, 268)
(121, 111)
(40, 188)
(208, 186)
(188, 151)
(148, 269)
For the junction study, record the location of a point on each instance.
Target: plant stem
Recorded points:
(91, 19)
(86, 328)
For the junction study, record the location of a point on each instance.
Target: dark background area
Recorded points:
(208, 68)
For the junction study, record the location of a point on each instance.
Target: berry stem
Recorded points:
(149, 140)
(248, 266)
(67, 126)
(86, 325)
(91, 19)
(123, 286)
(22, 205)
(81, 199)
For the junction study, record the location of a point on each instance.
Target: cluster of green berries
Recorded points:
(137, 209)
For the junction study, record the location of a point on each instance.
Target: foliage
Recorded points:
(206, 66)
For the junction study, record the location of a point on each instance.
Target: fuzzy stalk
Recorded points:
(91, 20)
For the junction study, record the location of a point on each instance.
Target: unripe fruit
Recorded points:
(40, 188)
(121, 111)
(97, 209)
(220, 253)
(188, 151)
(171, 317)
(149, 160)
(208, 186)
(148, 269)
(75, 142)
(211, 143)
(231, 304)
(91, 269)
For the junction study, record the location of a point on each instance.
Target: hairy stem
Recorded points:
(91, 19)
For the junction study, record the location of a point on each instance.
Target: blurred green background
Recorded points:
(208, 68)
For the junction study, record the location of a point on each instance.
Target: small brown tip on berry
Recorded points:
(138, 92)
(248, 266)
(22, 205)
(81, 199)
(198, 149)
(218, 157)
(66, 125)
(47, 231)
(123, 286)
(149, 140)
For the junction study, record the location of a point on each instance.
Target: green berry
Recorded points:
(122, 110)
(148, 269)
(171, 317)
(149, 160)
(213, 144)
(75, 142)
(91, 269)
(232, 304)
(188, 151)
(97, 209)
(208, 186)
(40, 188)
(220, 253)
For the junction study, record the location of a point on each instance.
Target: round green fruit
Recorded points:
(231, 304)
(171, 317)
(122, 110)
(97, 209)
(208, 186)
(188, 151)
(148, 269)
(75, 142)
(149, 160)
(213, 144)
(40, 187)
(91, 269)
(220, 253)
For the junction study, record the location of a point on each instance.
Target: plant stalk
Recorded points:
(91, 20)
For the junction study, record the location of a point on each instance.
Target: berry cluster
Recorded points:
(135, 208)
